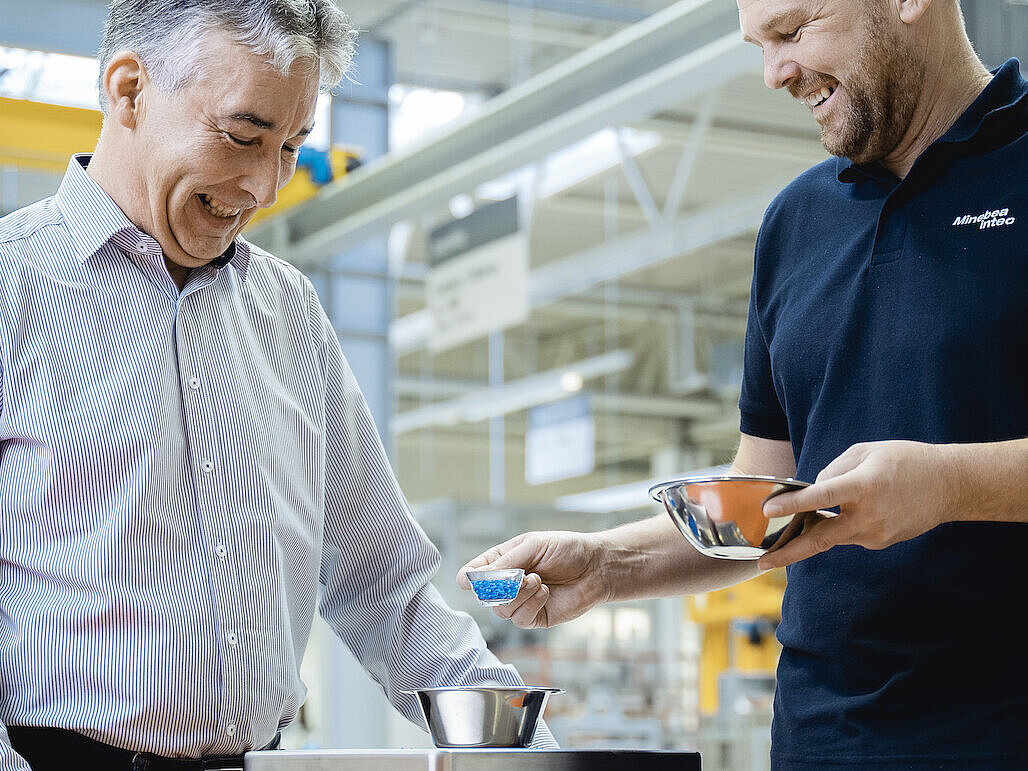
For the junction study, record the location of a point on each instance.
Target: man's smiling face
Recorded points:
(846, 60)
(214, 150)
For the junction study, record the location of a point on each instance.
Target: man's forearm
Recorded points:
(989, 481)
(650, 558)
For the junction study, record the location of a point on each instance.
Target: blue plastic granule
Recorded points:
(505, 589)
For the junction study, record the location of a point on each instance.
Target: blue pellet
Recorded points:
(496, 590)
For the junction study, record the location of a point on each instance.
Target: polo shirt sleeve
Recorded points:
(760, 411)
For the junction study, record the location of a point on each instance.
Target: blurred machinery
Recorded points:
(321, 167)
(738, 626)
(43, 136)
(738, 657)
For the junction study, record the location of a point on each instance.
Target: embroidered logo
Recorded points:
(987, 219)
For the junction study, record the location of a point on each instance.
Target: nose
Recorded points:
(264, 179)
(778, 68)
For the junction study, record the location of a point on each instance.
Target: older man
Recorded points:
(184, 453)
(885, 357)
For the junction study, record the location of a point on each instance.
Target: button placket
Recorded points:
(204, 424)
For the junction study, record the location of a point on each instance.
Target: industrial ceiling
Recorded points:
(639, 266)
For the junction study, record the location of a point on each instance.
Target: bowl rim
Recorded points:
(484, 688)
(789, 482)
(519, 572)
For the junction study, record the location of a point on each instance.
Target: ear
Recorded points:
(123, 82)
(911, 11)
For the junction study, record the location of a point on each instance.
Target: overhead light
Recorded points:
(571, 381)
(461, 206)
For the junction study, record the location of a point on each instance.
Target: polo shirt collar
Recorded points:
(1006, 89)
(1004, 92)
(94, 219)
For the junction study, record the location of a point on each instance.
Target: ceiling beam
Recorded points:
(675, 55)
(612, 259)
(512, 396)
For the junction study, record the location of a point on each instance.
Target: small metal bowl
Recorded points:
(723, 516)
(483, 716)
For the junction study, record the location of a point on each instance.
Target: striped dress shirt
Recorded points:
(184, 476)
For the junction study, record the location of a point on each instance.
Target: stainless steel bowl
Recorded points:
(483, 716)
(723, 516)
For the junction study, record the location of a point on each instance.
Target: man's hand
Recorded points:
(563, 578)
(886, 492)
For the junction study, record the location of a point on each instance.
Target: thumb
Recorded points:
(521, 553)
(496, 558)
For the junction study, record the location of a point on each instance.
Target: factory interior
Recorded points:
(621, 153)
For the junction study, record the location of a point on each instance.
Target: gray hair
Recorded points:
(168, 35)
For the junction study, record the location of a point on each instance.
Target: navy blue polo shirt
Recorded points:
(898, 309)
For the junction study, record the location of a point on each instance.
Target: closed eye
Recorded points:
(287, 150)
(790, 36)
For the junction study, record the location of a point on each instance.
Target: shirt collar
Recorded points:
(94, 220)
(1004, 92)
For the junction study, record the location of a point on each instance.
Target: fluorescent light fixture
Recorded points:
(514, 396)
(633, 495)
(418, 114)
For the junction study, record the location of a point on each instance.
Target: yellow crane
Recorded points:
(724, 644)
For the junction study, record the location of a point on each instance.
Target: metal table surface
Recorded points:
(472, 760)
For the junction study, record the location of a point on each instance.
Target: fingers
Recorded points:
(846, 462)
(825, 494)
(496, 558)
(526, 609)
(839, 482)
(818, 537)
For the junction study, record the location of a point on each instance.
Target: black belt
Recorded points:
(57, 749)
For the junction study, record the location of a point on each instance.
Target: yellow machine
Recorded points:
(724, 645)
(43, 136)
(302, 186)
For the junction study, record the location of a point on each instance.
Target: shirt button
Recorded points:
(232, 639)
(230, 729)
(141, 246)
(221, 551)
(207, 466)
(194, 383)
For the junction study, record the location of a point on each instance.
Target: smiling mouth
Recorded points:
(218, 208)
(819, 97)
